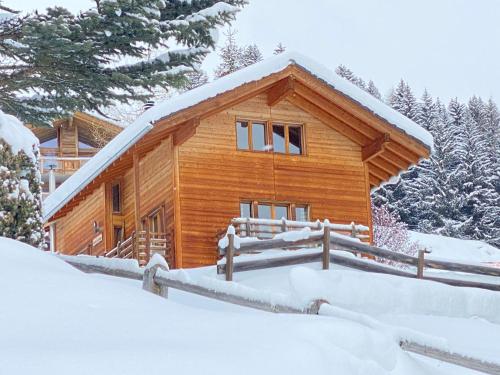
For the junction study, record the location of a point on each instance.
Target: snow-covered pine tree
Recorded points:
(437, 200)
(231, 56)
(195, 79)
(20, 193)
(251, 54)
(280, 48)
(403, 100)
(373, 90)
(65, 62)
(398, 196)
(347, 73)
(426, 111)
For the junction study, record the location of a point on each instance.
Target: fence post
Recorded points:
(420, 264)
(229, 256)
(148, 245)
(326, 245)
(118, 249)
(354, 232)
(148, 281)
(248, 228)
(283, 224)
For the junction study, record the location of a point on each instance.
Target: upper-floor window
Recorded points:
(251, 135)
(263, 136)
(287, 139)
(50, 143)
(116, 199)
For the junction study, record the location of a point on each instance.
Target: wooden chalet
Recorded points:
(282, 138)
(70, 143)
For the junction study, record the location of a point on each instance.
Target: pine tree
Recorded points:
(403, 100)
(20, 193)
(347, 73)
(63, 62)
(280, 48)
(195, 79)
(373, 90)
(426, 112)
(250, 55)
(231, 56)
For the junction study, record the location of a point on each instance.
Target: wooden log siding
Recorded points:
(190, 165)
(214, 176)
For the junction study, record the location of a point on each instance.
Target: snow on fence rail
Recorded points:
(265, 228)
(233, 244)
(157, 279)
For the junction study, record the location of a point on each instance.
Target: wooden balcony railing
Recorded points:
(61, 165)
(141, 245)
(267, 228)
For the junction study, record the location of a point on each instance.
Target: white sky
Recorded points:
(448, 46)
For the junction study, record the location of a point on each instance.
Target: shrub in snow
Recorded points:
(391, 234)
(20, 193)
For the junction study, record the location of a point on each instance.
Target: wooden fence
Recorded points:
(329, 241)
(157, 280)
(141, 245)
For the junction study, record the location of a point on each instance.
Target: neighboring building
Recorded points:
(284, 137)
(70, 143)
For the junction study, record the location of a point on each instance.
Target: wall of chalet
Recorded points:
(75, 231)
(156, 176)
(214, 176)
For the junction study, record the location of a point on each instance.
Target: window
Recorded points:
(251, 135)
(242, 130)
(301, 213)
(278, 137)
(83, 145)
(270, 210)
(287, 139)
(116, 198)
(279, 141)
(51, 143)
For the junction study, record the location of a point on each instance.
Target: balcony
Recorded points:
(63, 165)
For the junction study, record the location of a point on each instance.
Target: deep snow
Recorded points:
(57, 320)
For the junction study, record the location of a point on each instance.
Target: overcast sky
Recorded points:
(450, 47)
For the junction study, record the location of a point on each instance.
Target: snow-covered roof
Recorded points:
(131, 134)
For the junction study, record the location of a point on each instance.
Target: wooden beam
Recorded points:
(186, 131)
(375, 148)
(137, 193)
(177, 210)
(280, 91)
(336, 111)
(329, 120)
(386, 166)
(362, 113)
(378, 172)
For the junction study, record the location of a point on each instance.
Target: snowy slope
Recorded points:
(456, 249)
(57, 320)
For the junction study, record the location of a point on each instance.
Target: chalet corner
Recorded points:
(283, 138)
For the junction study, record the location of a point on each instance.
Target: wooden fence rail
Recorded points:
(163, 280)
(332, 240)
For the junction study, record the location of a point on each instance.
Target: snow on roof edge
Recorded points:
(260, 70)
(90, 170)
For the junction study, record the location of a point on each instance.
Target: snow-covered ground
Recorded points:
(456, 249)
(57, 320)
